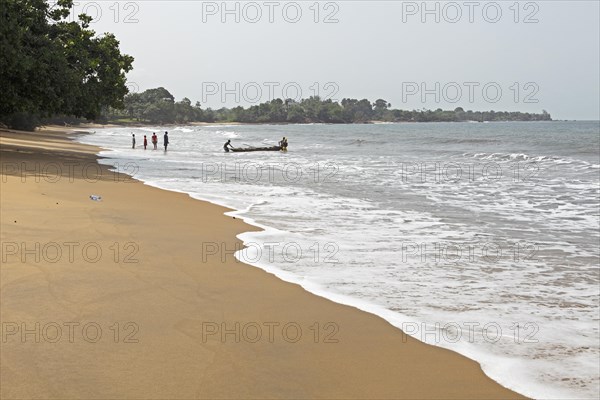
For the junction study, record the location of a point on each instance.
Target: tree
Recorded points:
(50, 66)
(295, 113)
(364, 111)
(381, 105)
(312, 108)
(380, 108)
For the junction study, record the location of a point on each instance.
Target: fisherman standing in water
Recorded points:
(227, 146)
(166, 140)
(133, 140)
(283, 144)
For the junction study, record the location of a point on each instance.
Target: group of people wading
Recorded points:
(154, 140)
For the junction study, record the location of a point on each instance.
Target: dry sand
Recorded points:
(157, 315)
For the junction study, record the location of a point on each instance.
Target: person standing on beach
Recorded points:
(133, 140)
(166, 140)
(154, 140)
(145, 142)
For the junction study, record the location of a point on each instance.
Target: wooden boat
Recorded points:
(239, 149)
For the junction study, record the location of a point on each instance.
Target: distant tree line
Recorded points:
(158, 106)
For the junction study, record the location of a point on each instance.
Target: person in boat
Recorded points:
(283, 143)
(227, 146)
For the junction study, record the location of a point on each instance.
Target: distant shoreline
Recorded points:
(146, 124)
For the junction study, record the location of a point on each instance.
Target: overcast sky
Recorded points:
(478, 55)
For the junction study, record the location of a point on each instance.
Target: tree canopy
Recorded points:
(51, 66)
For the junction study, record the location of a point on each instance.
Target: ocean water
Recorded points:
(478, 237)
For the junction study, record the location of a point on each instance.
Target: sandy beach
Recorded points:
(138, 296)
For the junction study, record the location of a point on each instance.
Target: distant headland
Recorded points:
(158, 106)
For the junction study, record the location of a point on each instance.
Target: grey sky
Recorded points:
(376, 49)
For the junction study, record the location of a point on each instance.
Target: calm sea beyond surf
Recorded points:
(482, 238)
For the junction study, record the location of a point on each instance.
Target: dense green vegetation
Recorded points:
(50, 66)
(159, 106)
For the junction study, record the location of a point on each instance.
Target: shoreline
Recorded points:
(172, 295)
(92, 125)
